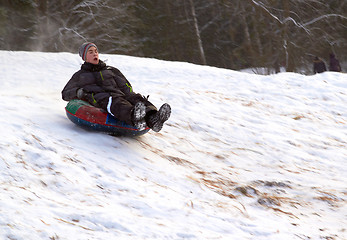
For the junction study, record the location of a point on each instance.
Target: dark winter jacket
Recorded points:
(107, 88)
(318, 66)
(98, 82)
(334, 64)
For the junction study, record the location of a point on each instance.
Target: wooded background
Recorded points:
(233, 34)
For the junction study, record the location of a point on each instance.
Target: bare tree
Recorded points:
(197, 33)
(225, 33)
(64, 25)
(16, 27)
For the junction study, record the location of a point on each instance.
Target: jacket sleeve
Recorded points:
(70, 90)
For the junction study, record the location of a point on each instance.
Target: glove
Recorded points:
(80, 93)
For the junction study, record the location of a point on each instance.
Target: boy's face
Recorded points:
(92, 55)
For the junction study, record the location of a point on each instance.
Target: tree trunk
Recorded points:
(248, 43)
(197, 34)
(286, 41)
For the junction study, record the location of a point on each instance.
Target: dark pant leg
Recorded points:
(150, 108)
(134, 98)
(119, 107)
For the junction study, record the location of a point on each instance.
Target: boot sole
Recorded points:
(139, 111)
(163, 115)
(141, 125)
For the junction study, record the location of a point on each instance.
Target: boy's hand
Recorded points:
(80, 93)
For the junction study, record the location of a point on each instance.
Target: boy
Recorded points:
(106, 87)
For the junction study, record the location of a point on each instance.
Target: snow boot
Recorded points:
(156, 120)
(138, 115)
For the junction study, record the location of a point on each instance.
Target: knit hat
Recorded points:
(84, 49)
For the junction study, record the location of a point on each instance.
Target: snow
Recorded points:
(243, 156)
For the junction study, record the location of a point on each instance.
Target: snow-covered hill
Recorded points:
(243, 156)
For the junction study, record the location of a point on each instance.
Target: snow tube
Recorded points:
(92, 118)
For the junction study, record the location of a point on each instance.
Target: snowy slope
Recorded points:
(243, 156)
